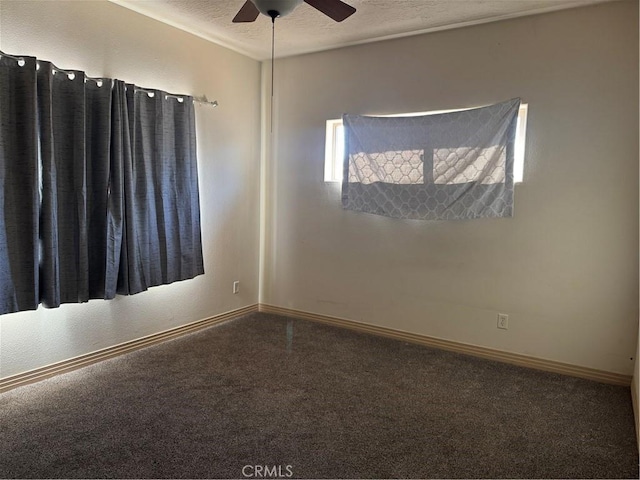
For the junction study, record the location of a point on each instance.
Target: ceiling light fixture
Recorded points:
(278, 7)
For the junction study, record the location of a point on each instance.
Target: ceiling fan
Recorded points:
(335, 9)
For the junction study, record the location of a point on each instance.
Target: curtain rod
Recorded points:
(202, 100)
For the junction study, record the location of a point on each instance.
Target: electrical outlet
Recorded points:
(503, 321)
(236, 287)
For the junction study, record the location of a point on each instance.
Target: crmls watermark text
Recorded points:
(267, 471)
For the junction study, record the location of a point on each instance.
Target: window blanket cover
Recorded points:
(447, 166)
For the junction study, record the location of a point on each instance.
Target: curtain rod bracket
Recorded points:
(205, 101)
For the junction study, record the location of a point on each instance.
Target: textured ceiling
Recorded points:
(307, 30)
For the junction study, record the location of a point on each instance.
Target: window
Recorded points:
(334, 151)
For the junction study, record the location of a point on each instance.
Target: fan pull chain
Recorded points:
(273, 49)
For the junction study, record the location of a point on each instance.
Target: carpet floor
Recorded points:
(307, 400)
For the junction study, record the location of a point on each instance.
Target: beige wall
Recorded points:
(565, 268)
(107, 40)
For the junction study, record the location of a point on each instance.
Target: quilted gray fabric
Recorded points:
(433, 167)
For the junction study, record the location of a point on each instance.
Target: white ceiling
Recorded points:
(307, 30)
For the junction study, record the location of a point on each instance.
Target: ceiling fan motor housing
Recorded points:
(282, 7)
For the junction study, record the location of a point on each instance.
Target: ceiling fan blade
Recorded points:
(248, 13)
(335, 9)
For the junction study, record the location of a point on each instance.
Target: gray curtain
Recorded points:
(447, 166)
(99, 187)
(19, 187)
(162, 212)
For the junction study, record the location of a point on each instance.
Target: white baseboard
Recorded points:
(38, 374)
(636, 408)
(474, 350)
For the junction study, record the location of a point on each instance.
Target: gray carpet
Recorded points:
(329, 403)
